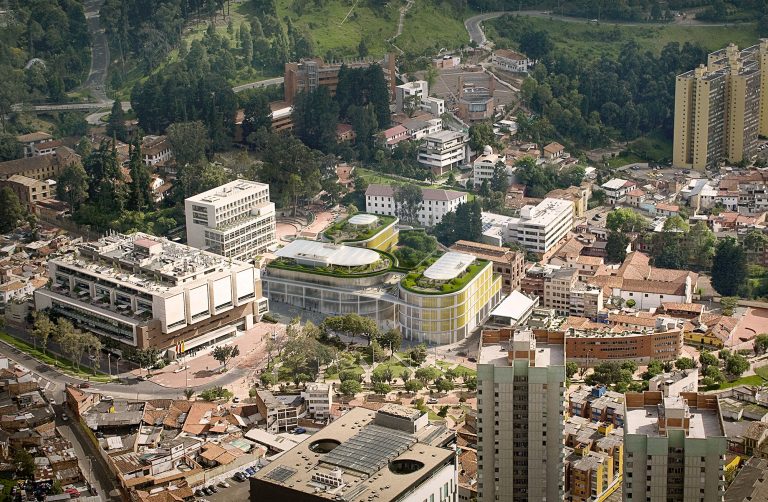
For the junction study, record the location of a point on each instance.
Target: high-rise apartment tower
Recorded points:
(721, 108)
(520, 410)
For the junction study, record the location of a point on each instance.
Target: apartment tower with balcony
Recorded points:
(520, 417)
(721, 108)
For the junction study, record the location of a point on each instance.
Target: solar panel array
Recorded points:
(370, 450)
(281, 473)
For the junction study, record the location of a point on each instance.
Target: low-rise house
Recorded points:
(394, 135)
(635, 197)
(509, 60)
(664, 209)
(34, 142)
(156, 150)
(616, 190)
(553, 151)
(30, 190)
(280, 412)
(380, 199)
(319, 400)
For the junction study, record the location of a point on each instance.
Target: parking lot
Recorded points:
(237, 491)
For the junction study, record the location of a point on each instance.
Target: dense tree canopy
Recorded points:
(729, 267)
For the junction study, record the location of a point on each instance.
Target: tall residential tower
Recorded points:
(721, 108)
(520, 410)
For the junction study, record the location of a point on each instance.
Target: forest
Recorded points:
(44, 51)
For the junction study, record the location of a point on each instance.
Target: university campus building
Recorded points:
(235, 220)
(440, 302)
(148, 292)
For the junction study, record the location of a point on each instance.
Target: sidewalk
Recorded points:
(202, 370)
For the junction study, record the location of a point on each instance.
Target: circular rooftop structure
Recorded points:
(363, 219)
(487, 150)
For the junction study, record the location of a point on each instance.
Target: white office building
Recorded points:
(435, 106)
(537, 229)
(484, 166)
(410, 94)
(380, 199)
(235, 220)
(319, 399)
(442, 151)
(148, 292)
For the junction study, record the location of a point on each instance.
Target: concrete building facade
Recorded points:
(380, 199)
(145, 291)
(720, 108)
(235, 220)
(443, 151)
(520, 417)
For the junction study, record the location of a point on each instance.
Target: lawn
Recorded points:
(337, 27)
(394, 365)
(655, 146)
(591, 41)
(748, 380)
(623, 159)
(429, 27)
(63, 365)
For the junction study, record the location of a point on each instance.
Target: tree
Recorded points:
(71, 343)
(761, 343)
(24, 462)
(10, 149)
(382, 388)
(349, 388)
(405, 375)
(714, 373)
(268, 379)
(43, 329)
(408, 201)
(413, 385)
(499, 180)
(116, 125)
(685, 363)
(443, 385)
(609, 373)
(631, 303)
(199, 177)
(481, 135)
(11, 210)
(140, 196)
(706, 358)
(72, 186)
(571, 368)
(427, 374)
(729, 267)
(616, 247)
(391, 338)
(189, 141)
(315, 116)
(470, 382)
(624, 219)
(736, 365)
(216, 393)
(536, 44)
(189, 393)
(418, 354)
(225, 353)
(655, 367)
(145, 358)
(257, 115)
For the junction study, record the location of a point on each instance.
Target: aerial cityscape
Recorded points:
(384, 250)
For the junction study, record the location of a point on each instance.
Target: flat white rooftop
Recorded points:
(449, 266)
(363, 219)
(545, 212)
(513, 306)
(645, 421)
(321, 253)
(614, 184)
(232, 190)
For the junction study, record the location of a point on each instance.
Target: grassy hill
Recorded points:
(605, 39)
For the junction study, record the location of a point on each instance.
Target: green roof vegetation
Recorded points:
(415, 281)
(383, 265)
(343, 231)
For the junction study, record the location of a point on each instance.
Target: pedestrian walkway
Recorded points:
(204, 370)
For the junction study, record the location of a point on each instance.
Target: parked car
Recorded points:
(223, 484)
(236, 399)
(213, 489)
(199, 493)
(239, 476)
(207, 491)
(299, 430)
(107, 398)
(431, 400)
(472, 359)
(83, 385)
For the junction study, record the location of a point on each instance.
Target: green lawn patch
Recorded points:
(762, 371)
(62, 364)
(337, 27)
(748, 380)
(343, 231)
(592, 41)
(431, 26)
(655, 146)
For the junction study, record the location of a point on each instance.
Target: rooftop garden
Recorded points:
(384, 264)
(415, 281)
(344, 231)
